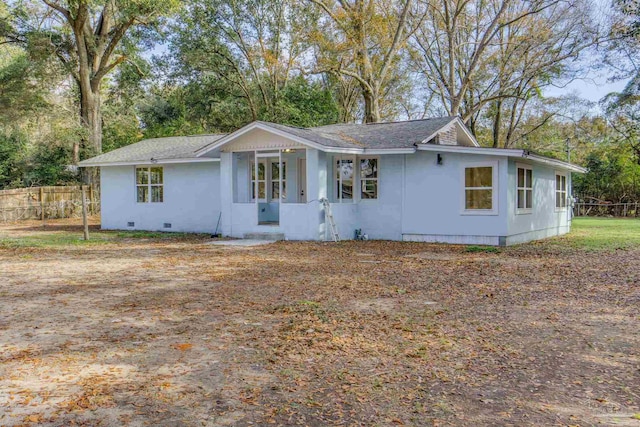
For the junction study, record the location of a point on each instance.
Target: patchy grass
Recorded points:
(154, 235)
(56, 235)
(485, 249)
(51, 240)
(165, 329)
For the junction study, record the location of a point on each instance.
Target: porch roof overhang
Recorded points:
(503, 152)
(219, 144)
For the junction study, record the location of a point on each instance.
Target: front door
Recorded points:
(302, 180)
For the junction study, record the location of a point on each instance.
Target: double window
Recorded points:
(524, 189)
(348, 170)
(561, 191)
(270, 180)
(479, 189)
(149, 184)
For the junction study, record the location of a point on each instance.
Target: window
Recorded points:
(149, 184)
(368, 178)
(275, 180)
(561, 191)
(524, 189)
(478, 189)
(261, 180)
(344, 178)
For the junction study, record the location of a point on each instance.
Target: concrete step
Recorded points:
(264, 236)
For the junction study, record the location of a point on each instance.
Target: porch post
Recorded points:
(256, 179)
(279, 178)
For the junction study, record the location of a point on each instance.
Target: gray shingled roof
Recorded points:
(384, 135)
(372, 136)
(175, 147)
(388, 135)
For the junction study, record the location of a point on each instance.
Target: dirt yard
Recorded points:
(144, 329)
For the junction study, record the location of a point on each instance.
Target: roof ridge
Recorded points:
(412, 120)
(381, 123)
(201, 135)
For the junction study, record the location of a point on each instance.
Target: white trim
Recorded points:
(558, 163)
(466, 130)
(376, 179)
(378, 151)
(336, 180)
(471, 150)
(148, 162)
(525, 210)
(460, 124)
(149, 185)
(265, 126)
(494, 188)
(503, 152)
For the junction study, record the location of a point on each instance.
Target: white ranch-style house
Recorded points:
(420, 180)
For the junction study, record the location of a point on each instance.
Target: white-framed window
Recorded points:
(149, 184)
(561, 191)
(524, 189)
(368, 177)
(344, 176)
(260, 180)
(275, 177)
(480, 182)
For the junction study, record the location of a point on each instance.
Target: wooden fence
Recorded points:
(607, 209)
(46, 202)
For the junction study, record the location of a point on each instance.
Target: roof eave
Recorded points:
(470, 150)
(504, 152)
(553, 162)
(144, 162)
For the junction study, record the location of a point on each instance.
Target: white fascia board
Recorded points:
(389, 151)
(264, 126)
(505, 152)
(557, 163)
(467, 132)
(470, 150)
(457, 121)
(147, 162)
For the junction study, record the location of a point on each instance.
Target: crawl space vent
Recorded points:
(131, 224)
(167, 225)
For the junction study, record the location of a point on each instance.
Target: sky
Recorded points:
(596, 85)
(593, 88)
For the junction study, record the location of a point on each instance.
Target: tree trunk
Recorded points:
(496, 124)
(371, 106)
(92, 121)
